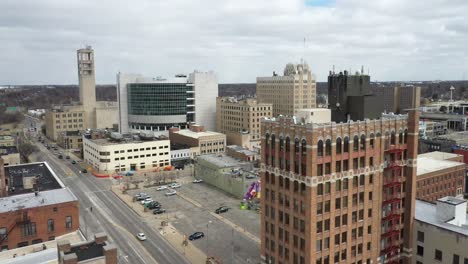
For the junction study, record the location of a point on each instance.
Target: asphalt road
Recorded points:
(111, 215)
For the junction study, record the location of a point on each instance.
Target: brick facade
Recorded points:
(329, 190)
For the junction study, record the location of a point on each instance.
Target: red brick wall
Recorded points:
(40, 216)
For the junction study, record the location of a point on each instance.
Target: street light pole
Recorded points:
(232, 246)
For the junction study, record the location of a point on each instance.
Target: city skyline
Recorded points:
(238, 40)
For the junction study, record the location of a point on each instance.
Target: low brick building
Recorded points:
(35, 205)
(439, 176)
(97, 251)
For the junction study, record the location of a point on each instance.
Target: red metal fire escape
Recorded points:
(391, 204)
(18, 219)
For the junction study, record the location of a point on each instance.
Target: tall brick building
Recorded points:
(338, 193)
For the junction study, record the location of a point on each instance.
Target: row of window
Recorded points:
(29, 229)
(69, 115)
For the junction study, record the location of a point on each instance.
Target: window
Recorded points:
(50, 225)
(3, 234)
(320, 148)
(319, 227)
(328, 147)
(28, 229)
(421, 236)
(338, 145)
(356, 143)
(420, 251)
(346, 145)
(320, 189)
(456, 259)
(438, 255)
(68, 222)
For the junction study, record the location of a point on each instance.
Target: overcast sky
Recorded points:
(238, 39)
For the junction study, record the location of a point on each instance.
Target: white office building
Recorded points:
(110, 155)
(157, 104)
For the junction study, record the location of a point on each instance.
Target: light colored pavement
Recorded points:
(225, 238)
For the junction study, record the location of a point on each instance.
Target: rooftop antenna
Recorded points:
(333, 68)
(362, 69)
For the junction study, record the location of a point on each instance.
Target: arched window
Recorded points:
(379, 134)
(288, 144)
(371, 141)
(346, 145)
(356, 143)
(393, 138)
(405, 137)
(304, 148)
(281, 143)
(320, 148)
(296, 186)
(363, 142)
(296, 145)
(400, 137)
(328, 147)
(338, 146)
(273, 141)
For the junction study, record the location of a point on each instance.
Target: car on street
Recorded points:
(161, 188)
(60, 156)
(171, 192)
(141, 236)
(197, 180)
(159, 211)
(84, 171)
(67, 157)
(221, 209)
(196, 235)
(174, 185)
(73, 162)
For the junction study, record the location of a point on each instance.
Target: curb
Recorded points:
(120, 198)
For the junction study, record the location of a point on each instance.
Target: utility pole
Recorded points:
(232, 247)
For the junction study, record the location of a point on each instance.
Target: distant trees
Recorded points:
(26, 148)
(9, 117)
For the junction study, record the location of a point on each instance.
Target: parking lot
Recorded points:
(233, 235)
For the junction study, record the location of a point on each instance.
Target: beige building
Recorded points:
(7, 141)
(64, 119)
(238, 118)
(240, 153)
(115, 153)
(399, 99)
(314, 115)
(70, 140)
(296, 89)
(440, 232)
(89, 113)
(10, 155)
(208, 142)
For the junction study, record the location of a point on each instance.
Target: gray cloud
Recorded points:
(240, 40)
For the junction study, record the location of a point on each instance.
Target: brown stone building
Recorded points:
(35, 205)
(338, 193)
(439, 175)
(208, 142)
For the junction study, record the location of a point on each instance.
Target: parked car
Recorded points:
(67, 157)
(197, 180)
(154, 205)
(161, 188)
(159, 211)
(221, 209)
(60, 156)
(250, 176)
(141, 236)
(147, 200)
(196, 235)
(142, 197)
(171, 192)
(175, 185)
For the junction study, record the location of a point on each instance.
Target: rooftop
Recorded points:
(221, 161)
(197, 135)
(439, 155)
(240, 149)
(34, 254)
(6, 138)
(8, 150)
(427, 165)
(31, 200)
(132, 140)
(460, 137)
(25, 178)
(426, 212)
